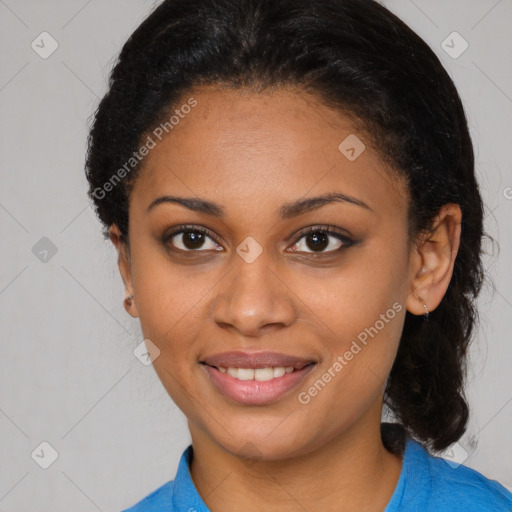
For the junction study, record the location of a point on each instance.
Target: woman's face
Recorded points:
(256, 282)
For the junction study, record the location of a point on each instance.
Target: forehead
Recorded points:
(243, 147)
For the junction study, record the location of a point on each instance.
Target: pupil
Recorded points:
(193, 239)
(319, 240)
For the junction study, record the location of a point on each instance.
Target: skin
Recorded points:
(251, 153)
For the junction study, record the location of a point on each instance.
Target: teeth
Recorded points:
(259, 374)
(280, 371)
(246, 373)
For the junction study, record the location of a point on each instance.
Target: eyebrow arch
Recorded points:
(192, 203)
(286, 211)
(295, 208)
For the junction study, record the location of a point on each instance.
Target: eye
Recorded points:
(321, 239)
(191, 239)
(317, 239)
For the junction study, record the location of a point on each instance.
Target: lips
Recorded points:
(246, 377)
(239, 359)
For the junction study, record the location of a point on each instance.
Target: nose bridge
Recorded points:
(252, 297)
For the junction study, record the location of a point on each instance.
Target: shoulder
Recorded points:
(158, 500)
(467, 488)
(457, 487)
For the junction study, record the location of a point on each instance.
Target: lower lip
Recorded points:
(254, 392)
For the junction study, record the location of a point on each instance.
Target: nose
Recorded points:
(253, 300)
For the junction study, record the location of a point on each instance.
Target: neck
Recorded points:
(352, 471)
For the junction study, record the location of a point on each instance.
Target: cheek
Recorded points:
(352, 378)
(169, 296)
(346, 299)
(360, 310)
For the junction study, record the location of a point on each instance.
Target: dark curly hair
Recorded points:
(362, 60)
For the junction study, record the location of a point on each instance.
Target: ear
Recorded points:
(432, 260)
(124, 264)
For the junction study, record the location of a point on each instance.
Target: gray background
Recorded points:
(68, 375)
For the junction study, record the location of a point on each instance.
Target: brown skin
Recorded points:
(251, 152)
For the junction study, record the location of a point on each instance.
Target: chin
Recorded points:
(262, 443)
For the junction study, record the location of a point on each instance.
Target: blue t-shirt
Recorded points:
(426, 484)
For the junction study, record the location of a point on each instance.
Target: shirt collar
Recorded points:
(414, 484)
(186, 498)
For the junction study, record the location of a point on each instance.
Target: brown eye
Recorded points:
(321, 240)
(191, 239)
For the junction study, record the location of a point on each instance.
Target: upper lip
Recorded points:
(239, 359)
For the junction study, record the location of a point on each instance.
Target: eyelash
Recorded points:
(326, 229)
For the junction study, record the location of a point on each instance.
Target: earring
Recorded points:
(425, 315)
(129, 300)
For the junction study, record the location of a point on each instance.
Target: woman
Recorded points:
(290, 187)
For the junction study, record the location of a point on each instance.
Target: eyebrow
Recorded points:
(295, 208)
(286, 211)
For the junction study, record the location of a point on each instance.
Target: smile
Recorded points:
(256, 386)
